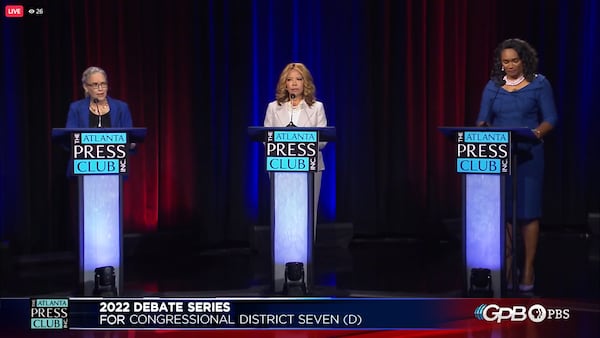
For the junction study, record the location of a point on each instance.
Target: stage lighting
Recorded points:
(294, 279)
(104, 282)
(481, 283)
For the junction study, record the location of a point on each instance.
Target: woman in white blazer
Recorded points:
(295, 105)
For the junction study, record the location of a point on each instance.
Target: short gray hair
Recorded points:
(91, 70)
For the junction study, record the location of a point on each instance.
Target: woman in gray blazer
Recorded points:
(295, 105)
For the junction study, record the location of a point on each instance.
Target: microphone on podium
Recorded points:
(292, 97)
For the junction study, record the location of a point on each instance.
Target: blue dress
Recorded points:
(526, 107)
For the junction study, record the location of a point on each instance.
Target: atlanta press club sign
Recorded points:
(102, 153)
(292, 151)
(483, 152)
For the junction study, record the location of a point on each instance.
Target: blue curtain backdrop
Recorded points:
(197, 73)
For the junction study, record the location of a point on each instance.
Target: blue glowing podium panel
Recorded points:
(292, 219)
(483, 226)
(100, 227)
(100, 206)
(484, 218)
(292, 201)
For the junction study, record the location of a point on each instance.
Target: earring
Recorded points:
(502, 69)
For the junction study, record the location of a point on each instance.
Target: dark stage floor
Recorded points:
(568, 266)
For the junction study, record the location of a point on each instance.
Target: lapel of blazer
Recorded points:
(283, 116)
(112, 106)
(114, 111)
(84, 112)
(305, 118)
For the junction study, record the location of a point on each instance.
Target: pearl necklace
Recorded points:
(513, 82)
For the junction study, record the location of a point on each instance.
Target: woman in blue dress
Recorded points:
(516, 96)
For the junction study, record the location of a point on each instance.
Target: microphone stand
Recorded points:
(292, 97)
(99, 114)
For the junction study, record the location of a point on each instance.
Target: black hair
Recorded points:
(526, 53)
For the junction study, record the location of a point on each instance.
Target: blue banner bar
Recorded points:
(20, 316)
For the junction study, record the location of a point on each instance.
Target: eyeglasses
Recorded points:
(102, 85)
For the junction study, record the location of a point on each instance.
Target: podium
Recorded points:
(291, 158)
(99, 159)
(481, 160)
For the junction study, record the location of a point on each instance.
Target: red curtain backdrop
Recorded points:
(197, 73)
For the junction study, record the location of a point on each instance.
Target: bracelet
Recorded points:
(537, 132)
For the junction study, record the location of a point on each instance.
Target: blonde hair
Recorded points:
(88, 72)
(281, 93)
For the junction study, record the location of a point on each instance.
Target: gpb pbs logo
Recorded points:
(518, 313)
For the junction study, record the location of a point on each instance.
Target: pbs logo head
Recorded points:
(537, 313)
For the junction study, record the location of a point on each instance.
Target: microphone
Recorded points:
(490, 113)
(99, 114)
(292, 97)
